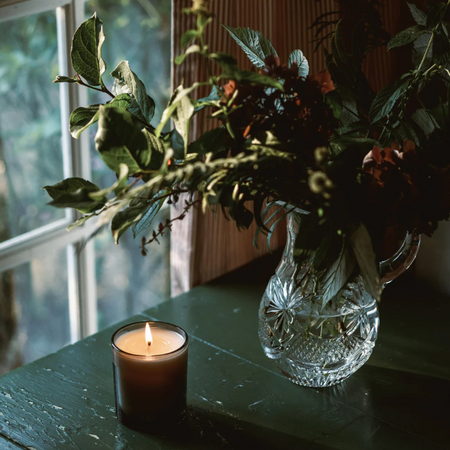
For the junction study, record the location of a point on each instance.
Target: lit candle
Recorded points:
(150, 372)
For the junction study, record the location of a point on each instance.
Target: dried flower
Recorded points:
(319, 183)
(321, 154)
(324, 79)
(200, 5)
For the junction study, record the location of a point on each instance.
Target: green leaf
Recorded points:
(255, 45)
(75, 193)
(205, 101)
(126, 79)
(298, 58)
(187, 37)
(441, 115)
(120, 140)
(79, 222)
(177, 96)
(86, 51)
(419, 16)
(82, 118)
(253, 79)
(365, 257)
(69, 186)
(334, 101)
(148, 215)
(226, 61)
(334, 279)
(181, 119)
(386, 98)
(406, 36)
(124, 219)
(157, 150)
(424, 120)
(63, 79)
(192, 49)
(212, 141)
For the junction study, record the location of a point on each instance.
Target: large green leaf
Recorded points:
(157, 150)
(298, 58)
(127, 81)
(179, 93)
(420, 46)
(124, 219)
(68, 186)
(148, 215)
(120, 140)
(255, 45)
(365, 257)
(75, 193)
(82, 118)
(406, 36)
(386, 98)
(419, 16)
(441, 115)
(182, 117)
(212, 141)
(424, 120)
(86, 51)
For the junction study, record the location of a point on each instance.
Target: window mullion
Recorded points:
(84, 269)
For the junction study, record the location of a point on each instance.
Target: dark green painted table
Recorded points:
(237, 399)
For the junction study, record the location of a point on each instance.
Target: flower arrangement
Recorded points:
(357, 162)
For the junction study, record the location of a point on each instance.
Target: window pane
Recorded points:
(34, 310)
(127, 282)
(30, 123)
(138, 32)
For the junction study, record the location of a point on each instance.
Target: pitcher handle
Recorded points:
(394, 266)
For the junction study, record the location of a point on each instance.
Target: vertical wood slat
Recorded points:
(220, 247)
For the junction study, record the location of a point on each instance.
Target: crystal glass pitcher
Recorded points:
(320, 346)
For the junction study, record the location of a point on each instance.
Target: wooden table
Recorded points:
(237, 399)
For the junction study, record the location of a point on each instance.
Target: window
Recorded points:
(54, 288)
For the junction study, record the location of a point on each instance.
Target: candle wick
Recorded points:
(149, 343)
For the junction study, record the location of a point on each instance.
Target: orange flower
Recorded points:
(408, 150)
(324, 79)
(229, 88)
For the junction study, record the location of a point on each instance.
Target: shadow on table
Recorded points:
(414, 402)
(206, 430)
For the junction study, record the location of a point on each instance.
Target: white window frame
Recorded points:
(82, 296)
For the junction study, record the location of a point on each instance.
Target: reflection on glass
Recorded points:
(34, 310)
(128, 283)
(30, 123)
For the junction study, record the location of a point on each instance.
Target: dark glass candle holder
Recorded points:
(150, 388)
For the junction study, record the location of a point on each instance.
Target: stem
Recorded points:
(103, 89)
(168, 224)
(426, 52)
(106, 91)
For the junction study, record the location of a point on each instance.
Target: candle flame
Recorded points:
(148, 334)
